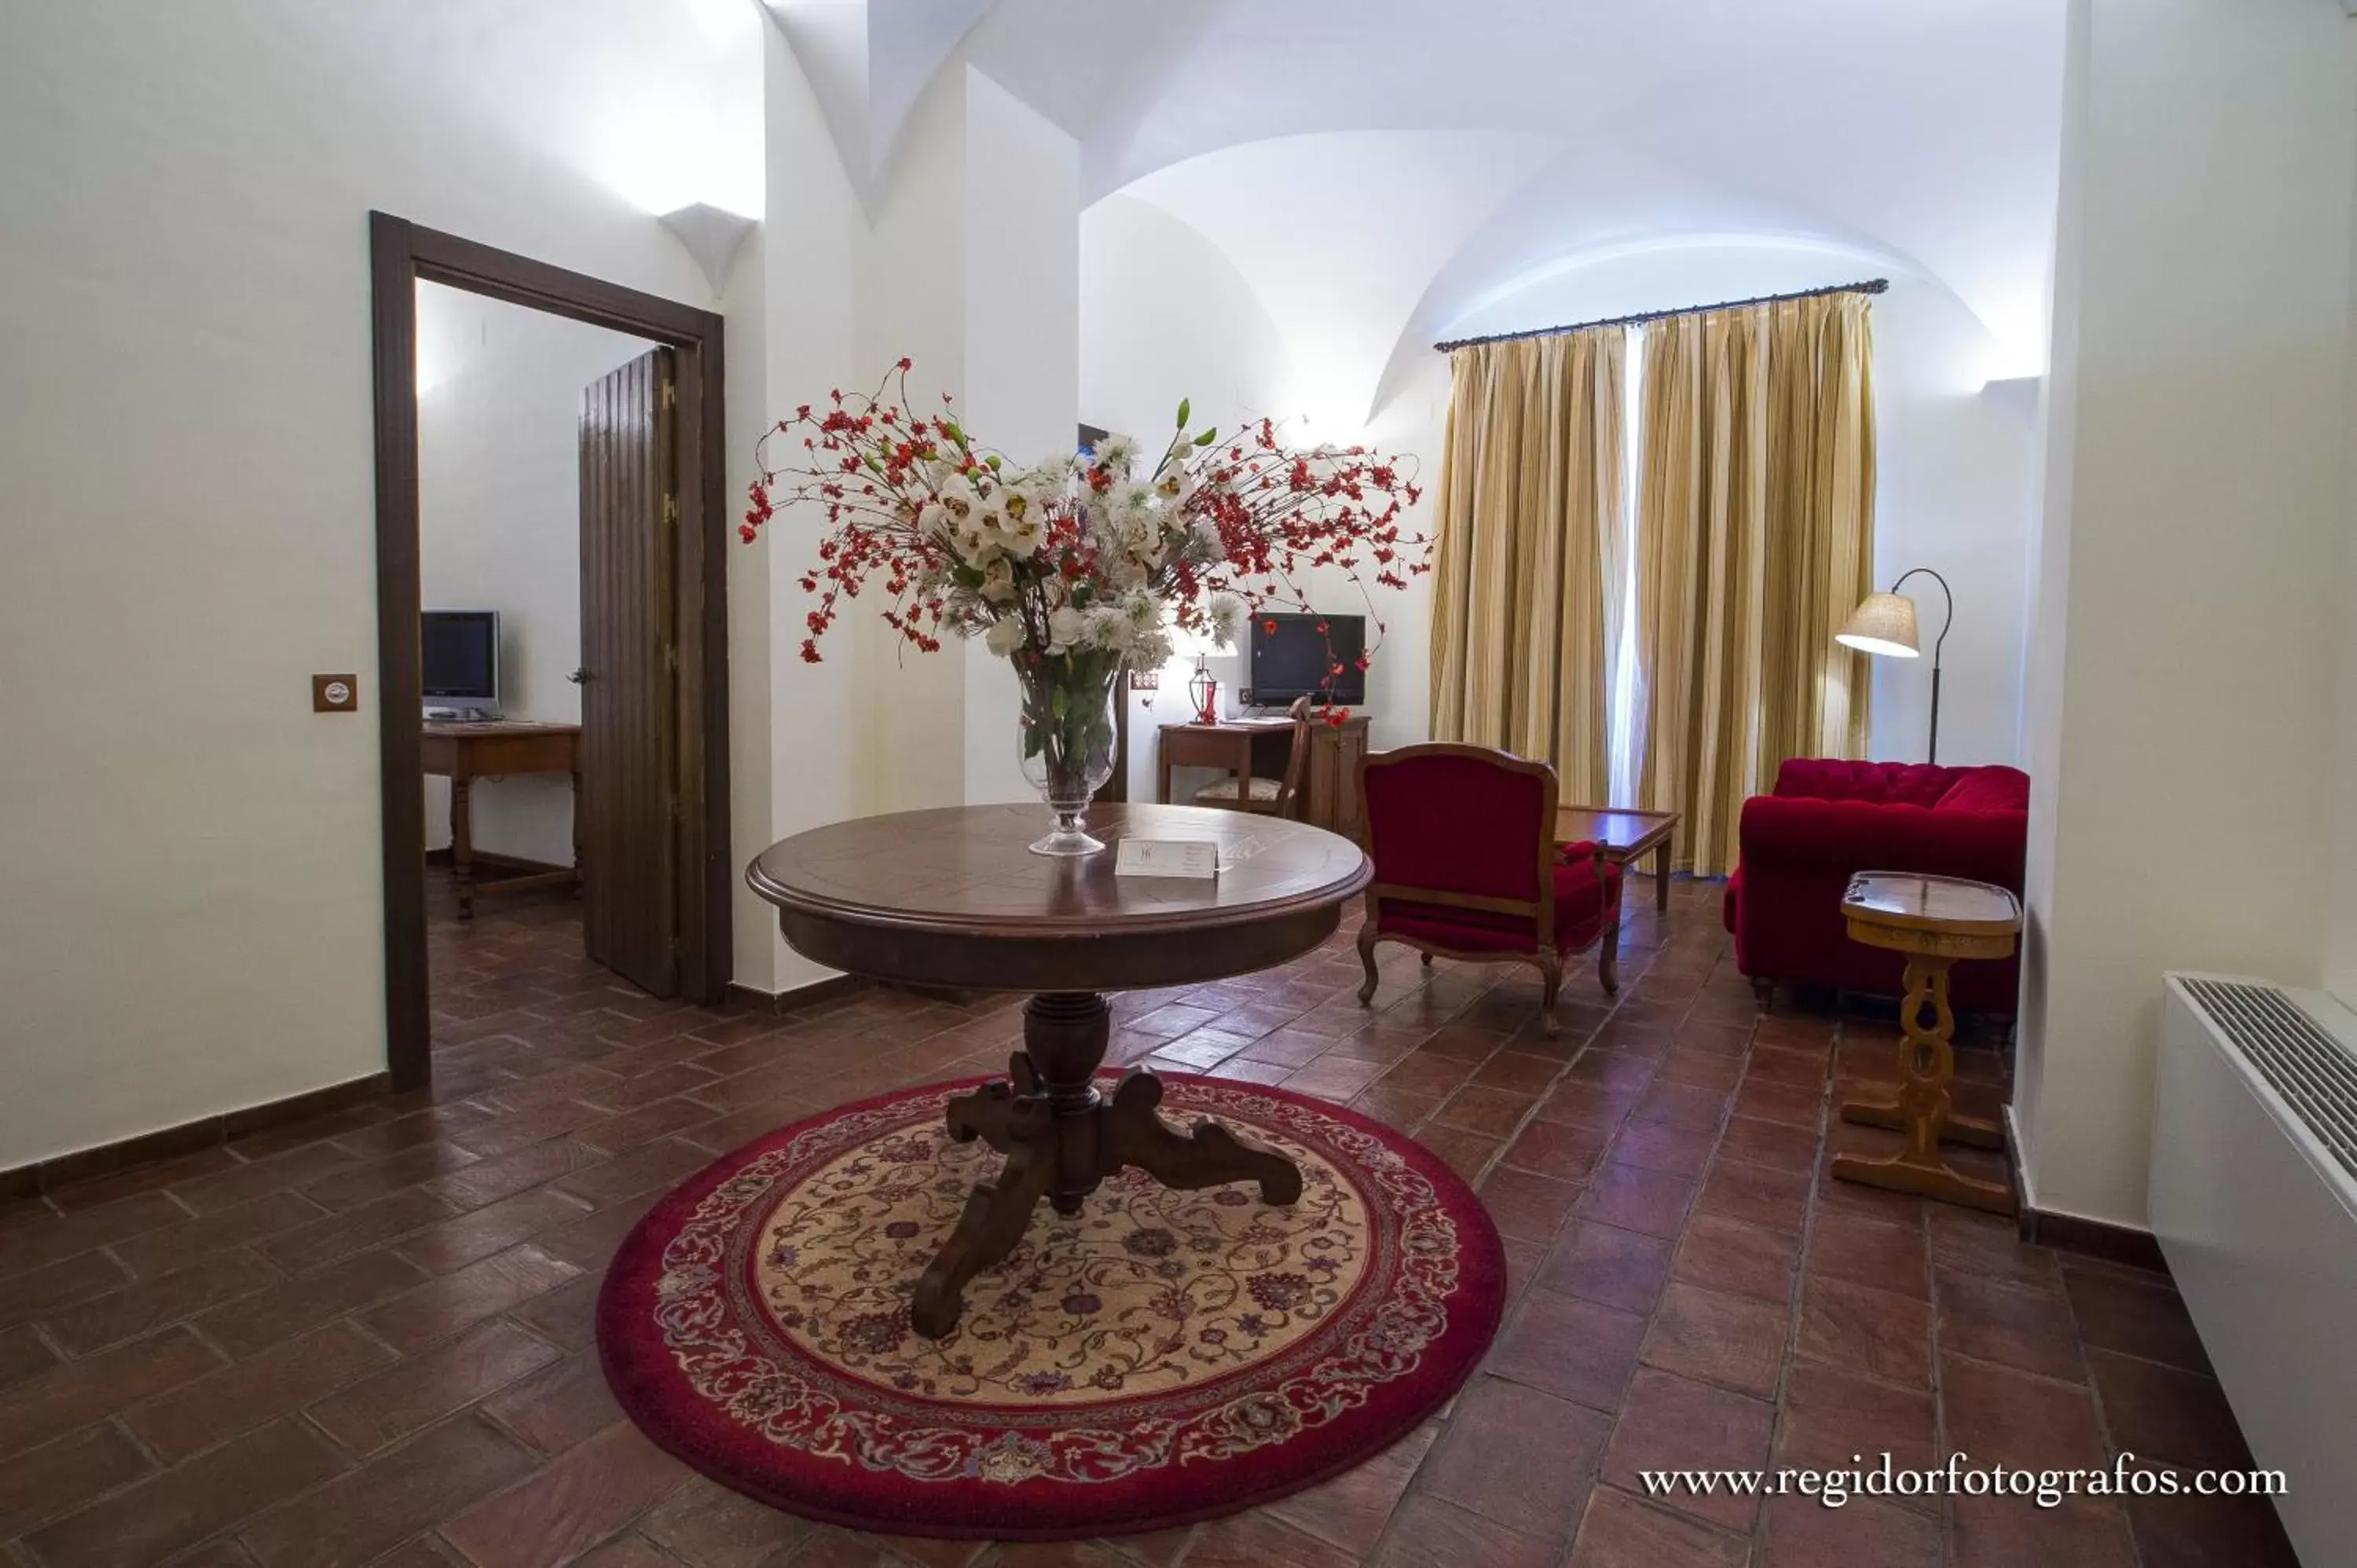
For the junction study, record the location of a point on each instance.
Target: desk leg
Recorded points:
(1662, 876)
(576, 833)
(1928, 1058)
(462, 846)
(1162, 757)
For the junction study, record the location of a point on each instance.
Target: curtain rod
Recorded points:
(1871, 286)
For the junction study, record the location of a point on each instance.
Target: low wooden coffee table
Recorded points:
(1934, 921)
(1624, 835)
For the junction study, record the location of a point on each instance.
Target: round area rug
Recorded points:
(1162, 1357)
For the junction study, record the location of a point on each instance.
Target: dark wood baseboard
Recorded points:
(494, 859)
(2095, 1239)
(758, 1000)
(105, 1159)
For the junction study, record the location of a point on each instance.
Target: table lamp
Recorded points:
(1884, 625)
(1201, 689)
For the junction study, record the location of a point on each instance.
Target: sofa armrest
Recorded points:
(1782, 833)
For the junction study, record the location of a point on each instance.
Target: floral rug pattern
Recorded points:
(1162, 1354)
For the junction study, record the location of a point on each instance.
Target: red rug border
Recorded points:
(706, 1440)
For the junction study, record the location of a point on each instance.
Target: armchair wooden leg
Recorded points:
(1764, 989)
(1550, 966)
(1367, 940)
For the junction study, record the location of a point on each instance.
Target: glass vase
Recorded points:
(1065, 737)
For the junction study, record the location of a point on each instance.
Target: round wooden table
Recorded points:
(953, 898)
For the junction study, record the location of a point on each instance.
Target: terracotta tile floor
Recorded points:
(367, 1338)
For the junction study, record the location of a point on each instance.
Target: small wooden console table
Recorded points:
(464, 752)
(1934, 921)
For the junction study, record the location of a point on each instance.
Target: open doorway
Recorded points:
(551, 626)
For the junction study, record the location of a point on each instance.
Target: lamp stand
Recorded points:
(1934, 756)
(1938, 646)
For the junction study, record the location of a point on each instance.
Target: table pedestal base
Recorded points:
(1061, 1137)
(1927, 1059)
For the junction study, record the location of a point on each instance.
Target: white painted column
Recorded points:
(2180, 688)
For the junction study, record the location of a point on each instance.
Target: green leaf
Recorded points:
(1208, 436)
(966, 576)
(1034, 739)
(1185, 406)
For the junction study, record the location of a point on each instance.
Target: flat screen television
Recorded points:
(1290, 658)
(458, 654)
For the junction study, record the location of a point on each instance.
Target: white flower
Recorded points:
(1021, 519)
(1005, 636)
(1066, 628)
(1226, 614)
(1203, 540)
(1115, 454)
(998, 580)
(1107, 628)
(1176, 485)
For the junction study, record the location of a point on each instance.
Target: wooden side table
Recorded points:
(1934, 921)
(1626, 836)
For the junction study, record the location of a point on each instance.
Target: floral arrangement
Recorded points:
(1077, 567)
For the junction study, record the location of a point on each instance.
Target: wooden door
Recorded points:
(628, 676)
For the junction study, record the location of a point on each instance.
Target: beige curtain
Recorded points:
(1755, 542)
(1527, 549)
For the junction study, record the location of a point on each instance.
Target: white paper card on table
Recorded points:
(1197, 858)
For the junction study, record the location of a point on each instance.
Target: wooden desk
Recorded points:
(1934, 921)
(953, 898)
(1256, 747)
(463, 753)
(1625, 835)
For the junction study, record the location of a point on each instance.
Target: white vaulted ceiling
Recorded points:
(1380, 169)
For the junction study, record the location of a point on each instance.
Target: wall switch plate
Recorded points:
(335, 694)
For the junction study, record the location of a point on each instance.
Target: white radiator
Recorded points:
(2255, 1202)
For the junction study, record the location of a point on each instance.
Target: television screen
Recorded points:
(1290, 658)
(460, 654)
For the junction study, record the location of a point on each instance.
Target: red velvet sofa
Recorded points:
(1829, 820)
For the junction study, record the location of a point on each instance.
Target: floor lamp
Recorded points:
(1884, 625)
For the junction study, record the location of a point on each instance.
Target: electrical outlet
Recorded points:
(335, 694)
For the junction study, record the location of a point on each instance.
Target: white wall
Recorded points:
(2196, 518)
(499, 477)
(1165, 316)
(1021, 289)
(194, 918)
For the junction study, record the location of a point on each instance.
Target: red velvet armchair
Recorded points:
(1829, 820)
(1466, 866)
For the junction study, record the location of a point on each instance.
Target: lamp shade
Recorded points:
(1883, 624)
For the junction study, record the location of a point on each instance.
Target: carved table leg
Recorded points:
(1061, 1138)
(1207, 1155)
(991, 1227)
(462, 846)
(1927, 1057)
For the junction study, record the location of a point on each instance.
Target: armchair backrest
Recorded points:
(1462, 826)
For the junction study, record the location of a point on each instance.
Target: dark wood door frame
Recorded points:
(399, 254)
